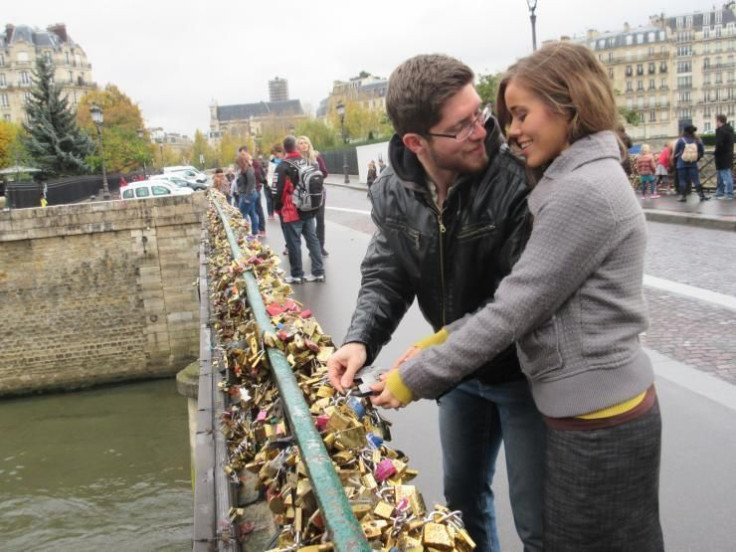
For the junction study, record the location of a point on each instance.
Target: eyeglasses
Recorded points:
(466, 131)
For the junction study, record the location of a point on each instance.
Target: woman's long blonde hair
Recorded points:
(311, 152)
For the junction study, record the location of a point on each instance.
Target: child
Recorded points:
(645, 166)
(663, 168)
(574, 306)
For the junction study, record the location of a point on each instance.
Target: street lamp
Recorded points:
(341, 114)
(533, 18)
(98, 118)
(141, 135)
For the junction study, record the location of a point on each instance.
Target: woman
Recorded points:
(372, 175)
(645, 166)
(304, 144)
(574, 305)
(688, 151)
(220, 183)
(663, 168)
(247, 192)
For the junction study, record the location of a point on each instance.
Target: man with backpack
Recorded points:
(299, 195)
(688, 151)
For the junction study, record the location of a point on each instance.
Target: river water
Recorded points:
(105, 469)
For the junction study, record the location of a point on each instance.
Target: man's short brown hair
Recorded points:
(419, 87)
(721, 118)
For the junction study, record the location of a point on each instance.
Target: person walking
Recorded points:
(296, 223)
(247, 193)
(451, 220)
(645, 166)
(662, 170)
(688, 151)
(372, 174)
(575, 307)
(724, 158)
(313, 157)
(260, 176)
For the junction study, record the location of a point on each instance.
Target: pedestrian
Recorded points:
(574, 305)
(122, 183)
(688, 151)
(230, 175)
(247, 193)
(451, 219)
(277, 153)
(381, 165)
(296, 223)
(662, 170)
(371, 173)
(304, 144)
(220, 183)
(724, 158)
(646, 166)
(260, 175)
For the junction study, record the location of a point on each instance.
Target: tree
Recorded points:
(53, 138)
(487, 87)
(322, 136)
(12, 151)
(631, 116)
(124, 150)
(361, 123)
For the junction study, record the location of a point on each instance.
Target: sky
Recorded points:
(174, 58)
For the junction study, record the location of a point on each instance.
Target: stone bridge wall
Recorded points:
(98, 292)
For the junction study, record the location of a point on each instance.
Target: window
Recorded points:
(128, 194)
(706, 79)
(719, 17)
(662, 35)
(706, 128)
(689, 21)
(731, 77)
(629, 40)
(652, 117)
(2, 79)
(664, 83)
(142, 192)
(629, 71)
(629, 86)
(640, 69)
(706, 63)
(706, 18)
(652, 68)
(684, 66)
(629, 104)
(664, 116)
(26, 96)
(2, 60)
(640, 85)
(652, 101)
(663, 101)
(160, 190)
(719, 61)
(684, 82)
(66, 57)
(663, 67)
(4, 100)
(706, 32)
(652, 36)
(25, 78)
(706, 111)
(719, 77)
(640, 102)
(679, 22)
(652, 84)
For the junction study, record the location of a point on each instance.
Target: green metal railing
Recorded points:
(347, 534)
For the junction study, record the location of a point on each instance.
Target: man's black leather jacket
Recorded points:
(452, 261)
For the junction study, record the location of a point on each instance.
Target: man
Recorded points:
(451, 218)
(724, 158)
(296, 223)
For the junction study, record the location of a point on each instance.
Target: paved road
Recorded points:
(699, 409)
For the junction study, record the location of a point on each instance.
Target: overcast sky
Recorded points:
(174, 58)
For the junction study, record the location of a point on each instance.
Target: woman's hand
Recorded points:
(382, 395)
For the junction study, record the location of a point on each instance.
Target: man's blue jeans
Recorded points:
(725, 183)
(247, 206)
(474, 419)
(293, 234)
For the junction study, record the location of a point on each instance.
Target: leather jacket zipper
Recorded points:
(442, 229)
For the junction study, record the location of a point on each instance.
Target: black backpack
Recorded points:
(309, 189)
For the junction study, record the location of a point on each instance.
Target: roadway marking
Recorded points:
(692, 292)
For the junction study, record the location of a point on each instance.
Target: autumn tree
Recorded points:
(361, 123)
(124, 150)
(12, 151)
(52, 137)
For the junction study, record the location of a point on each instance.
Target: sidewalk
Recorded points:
(716, 214)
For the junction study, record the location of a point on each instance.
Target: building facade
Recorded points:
(20, 47)
(672, 72)
(278, 90)
(250, 120)
(369, 91)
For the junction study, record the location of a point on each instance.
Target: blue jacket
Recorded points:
(679, 148)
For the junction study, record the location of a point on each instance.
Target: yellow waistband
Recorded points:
(614, 410)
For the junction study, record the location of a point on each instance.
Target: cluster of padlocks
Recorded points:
(375, 477)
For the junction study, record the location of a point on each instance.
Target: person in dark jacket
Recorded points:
(247, 193)
(687, 171)
(451, 220)
(295, 223)
(724, 158)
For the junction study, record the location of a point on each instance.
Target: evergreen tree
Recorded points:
(53, 139)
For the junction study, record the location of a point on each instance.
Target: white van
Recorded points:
(152, 188)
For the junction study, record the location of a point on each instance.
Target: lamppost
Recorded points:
(341, 114)
(141, 135)
(533, 18)
(98, 118)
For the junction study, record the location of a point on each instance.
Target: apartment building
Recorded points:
(674, 71)
(369, 91)
(20, 46)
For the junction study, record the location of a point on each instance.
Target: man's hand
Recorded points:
(410, 352)
(344, 363)
(382, 396)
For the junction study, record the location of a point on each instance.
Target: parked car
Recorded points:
(153, 188)
(174, 178)
(188, 172)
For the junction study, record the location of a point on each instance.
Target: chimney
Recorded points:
(9, 28)
(627, 27)
(59, 29)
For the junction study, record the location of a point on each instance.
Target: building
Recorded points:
(369, 91)
(278, 90)
(674, 71)
(251, 119)
(20, 46)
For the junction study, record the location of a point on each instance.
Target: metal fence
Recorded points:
(59, 191)
(336, 159)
